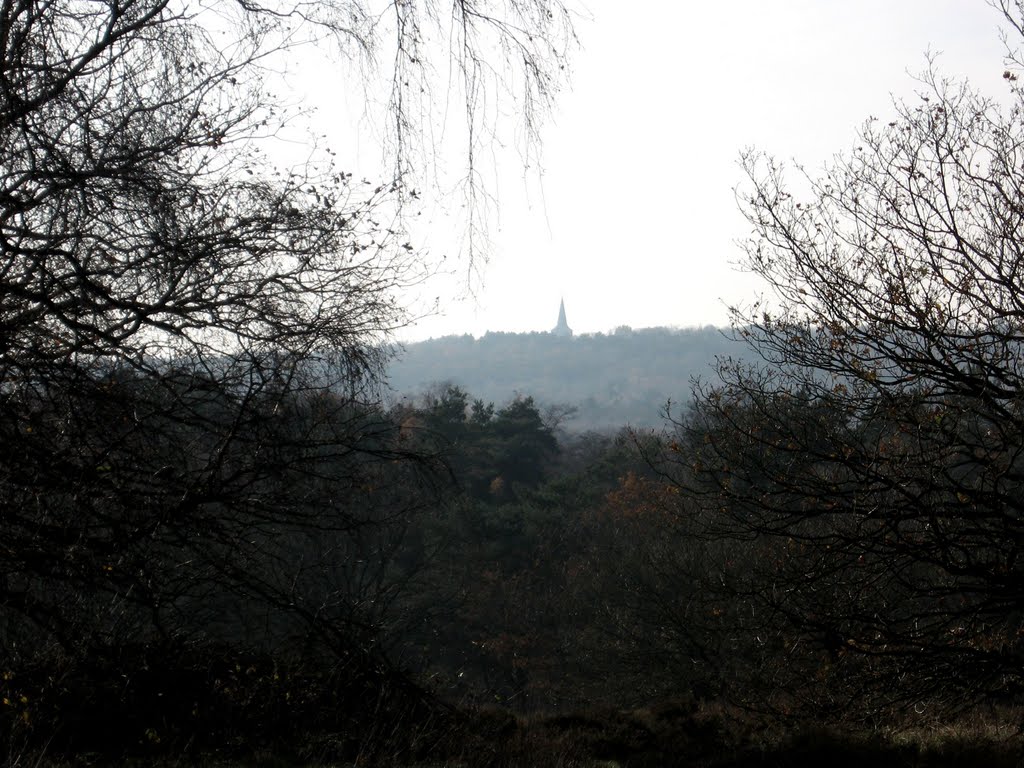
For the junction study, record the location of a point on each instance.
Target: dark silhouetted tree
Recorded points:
(190, 339)
(868, 467)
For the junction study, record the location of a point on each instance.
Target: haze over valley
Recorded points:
(625, 377)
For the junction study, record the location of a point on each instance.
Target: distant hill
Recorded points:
(625, 377)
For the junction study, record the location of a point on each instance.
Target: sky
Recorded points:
(631, 215)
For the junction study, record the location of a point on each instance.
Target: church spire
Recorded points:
(562, 329)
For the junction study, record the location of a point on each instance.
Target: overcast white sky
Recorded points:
(634, 220)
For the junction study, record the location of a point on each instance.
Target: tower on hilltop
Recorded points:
(562, 329)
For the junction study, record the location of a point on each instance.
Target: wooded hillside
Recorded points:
(624, 377)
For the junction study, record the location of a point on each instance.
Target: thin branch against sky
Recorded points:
(628, 210)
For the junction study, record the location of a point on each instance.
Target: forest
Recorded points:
(466, 582)
(626, 377)
(224, 542)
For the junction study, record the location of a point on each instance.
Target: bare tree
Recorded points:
(868, 462)
(191, 448)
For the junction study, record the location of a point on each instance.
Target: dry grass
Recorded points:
(673, 734)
